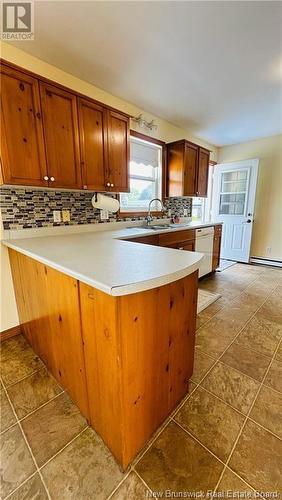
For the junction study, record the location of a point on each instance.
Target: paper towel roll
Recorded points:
(105, 202)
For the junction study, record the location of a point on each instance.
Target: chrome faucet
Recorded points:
(149, 217)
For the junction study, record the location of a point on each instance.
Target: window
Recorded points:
(145, 176)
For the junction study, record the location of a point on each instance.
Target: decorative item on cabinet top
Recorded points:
(55, 137)
(23, 208)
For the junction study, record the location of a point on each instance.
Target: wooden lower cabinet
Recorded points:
(48, 306)
(139, 352)
(125, 361)
(216, 246)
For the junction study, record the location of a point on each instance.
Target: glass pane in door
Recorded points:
(233, 192)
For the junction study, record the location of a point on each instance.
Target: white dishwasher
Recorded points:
(204, 244)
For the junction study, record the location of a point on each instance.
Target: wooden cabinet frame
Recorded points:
(187, 169)
(46, 170)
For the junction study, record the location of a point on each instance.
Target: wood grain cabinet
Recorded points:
(60, 127)
(182, 240)
(188, 167)
(22, 143)
(93, 144)
(216, 246)
(55, 137)
(118, 142)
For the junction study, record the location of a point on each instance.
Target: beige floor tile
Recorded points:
(272, 309)
(274, 376)
(202, 364)
(267, 410)
(247, 361)
(33, 489)
(17, 360)
(177, 462)
(232, 386)
(237, 313)
(7, 415)
(215, 336)
(257, 458)
(83, 470)
(278, 355)
(32, 392)
(212, 422)
(232, 483)
(261, 334)
(132, 489)
(16, 462)
(51, 427)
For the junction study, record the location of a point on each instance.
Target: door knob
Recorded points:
(108, 184)
(247, 221)
(52, 179)
(46, 178)
(112, 185)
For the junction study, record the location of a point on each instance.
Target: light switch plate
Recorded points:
(57, 215)
(104, 214)
(66, 215)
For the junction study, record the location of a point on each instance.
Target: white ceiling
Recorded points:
(213, 68)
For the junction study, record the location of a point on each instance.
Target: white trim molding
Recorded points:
(266, 262)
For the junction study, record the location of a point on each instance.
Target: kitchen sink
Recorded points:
(157, 227)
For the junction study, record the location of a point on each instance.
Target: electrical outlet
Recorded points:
(268, 250)
(57, 215)
(104, 214)
(66, 215)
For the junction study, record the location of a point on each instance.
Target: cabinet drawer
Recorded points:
(148, 240)
(176, 237)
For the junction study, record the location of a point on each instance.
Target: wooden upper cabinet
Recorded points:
(203, 172)
(54, 137)
(61, 134)
(118, 144)
(93, 144)
(188, 166)
(22, 143)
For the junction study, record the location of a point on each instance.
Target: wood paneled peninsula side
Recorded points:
(114, 321)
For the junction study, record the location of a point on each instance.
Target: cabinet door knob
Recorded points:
(52, 179)
(46, 178)
(108, 184)
(112, 185)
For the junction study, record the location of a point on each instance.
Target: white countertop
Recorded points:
(102, 260)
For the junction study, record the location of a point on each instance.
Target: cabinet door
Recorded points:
(190, 169)
(175, 168)
(187, 245)
(22, 144)
(216, 251)
(60, 126)
(203, 172)
(93, 144)
(148, 240)
(118, 143)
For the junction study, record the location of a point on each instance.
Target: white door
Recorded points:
(233, 202)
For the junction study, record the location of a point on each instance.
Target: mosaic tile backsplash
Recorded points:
(30, 208)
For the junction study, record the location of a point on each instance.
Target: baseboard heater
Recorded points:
(266, 262)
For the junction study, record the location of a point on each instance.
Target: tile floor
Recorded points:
(225, 435)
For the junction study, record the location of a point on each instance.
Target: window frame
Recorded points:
(147, 138)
